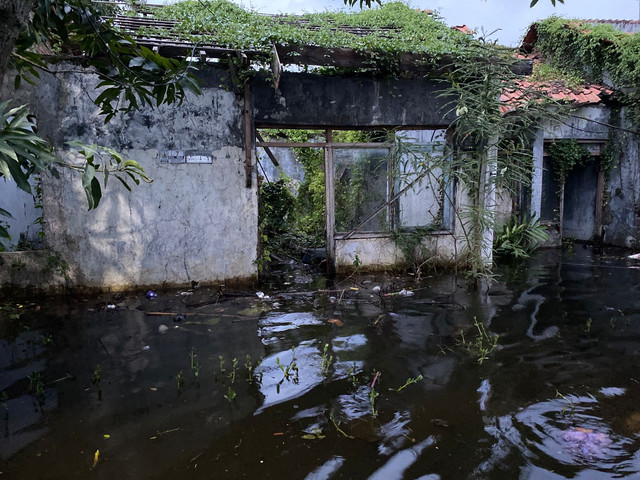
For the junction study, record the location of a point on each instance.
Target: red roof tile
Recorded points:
(463, 29)
(527, 91)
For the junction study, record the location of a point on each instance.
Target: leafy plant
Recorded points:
(373, 394)
(410, 381)
(482, 345)
(327, 360)
(519, 239)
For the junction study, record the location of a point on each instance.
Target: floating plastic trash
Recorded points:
(163, 328)
(178, 318)
(151, 294)
(146, 347)
(405, 293)
(185, 294)
(111, 306)
(376, 289)
(586, 442)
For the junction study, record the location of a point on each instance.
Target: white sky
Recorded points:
(512, 17)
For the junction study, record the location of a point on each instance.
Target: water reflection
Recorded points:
(558, 399)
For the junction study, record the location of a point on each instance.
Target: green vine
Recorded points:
(389, 30)
(566, 155)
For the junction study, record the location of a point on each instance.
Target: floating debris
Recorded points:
(178, 319)
(336, 321)
(151, 294)
(186, 294)
(586, 442)
(405, 293)
(146, 348)
(163, 328)
(376, 289)
(111, 306)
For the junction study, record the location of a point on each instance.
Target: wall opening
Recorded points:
(373, 183)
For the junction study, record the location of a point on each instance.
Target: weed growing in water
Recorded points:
(337, 425)
(290, 371)
(373, 394)
(36, 387)
(353, 375)
(409, 382)
(95, 380)
(234, 367)
(570, 406)
(248, 365)
(47, 340)
(587, 327)
(230, 395)
(195, 367)
(179, 381)
(327, 360)
(222, 369)
(481, 347)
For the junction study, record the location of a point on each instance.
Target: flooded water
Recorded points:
(340, 382)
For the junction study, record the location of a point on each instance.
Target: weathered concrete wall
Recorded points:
(380, 252)
(21, 205)
(196, 222)
(310, 100)
(621, 213)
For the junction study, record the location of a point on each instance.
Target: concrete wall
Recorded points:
(198, 222)
(310, 100)
(21, 205)
(195, 222)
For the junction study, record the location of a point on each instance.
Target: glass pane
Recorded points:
(361, 187)
(422, 167)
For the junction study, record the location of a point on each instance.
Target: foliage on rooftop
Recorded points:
(391, 29)
(591, 51)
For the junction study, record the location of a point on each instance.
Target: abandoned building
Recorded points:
(198, 220)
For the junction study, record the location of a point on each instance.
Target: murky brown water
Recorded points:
(558, 398)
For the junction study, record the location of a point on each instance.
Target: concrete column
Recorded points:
(536, 175)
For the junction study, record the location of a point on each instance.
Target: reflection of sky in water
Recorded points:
(308, 359)
(346, 344)
(395, 433)
(272, 327)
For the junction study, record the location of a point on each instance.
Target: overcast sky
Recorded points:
(512, 17)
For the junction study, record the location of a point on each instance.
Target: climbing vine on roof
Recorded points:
(391, 29)
(590, 50)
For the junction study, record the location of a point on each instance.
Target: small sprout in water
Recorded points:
(353, 377)
(326, 361)
(587, 327)
(234, 367)
(612, 322)
(192, 354)
(36, 387)
(47, 340)
(196, 373)
(230, 395)
(222, 369)
(95, 378)
(409, 382)
(570, 405)
(179, 380)
(373, 394)
(248, 365)
(337, 425)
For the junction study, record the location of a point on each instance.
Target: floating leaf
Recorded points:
(336, 321)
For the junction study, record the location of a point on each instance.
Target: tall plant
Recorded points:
(496, 116)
